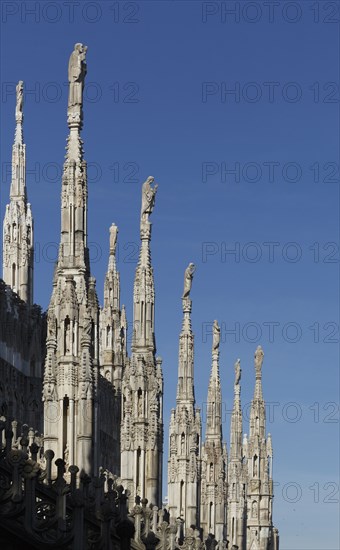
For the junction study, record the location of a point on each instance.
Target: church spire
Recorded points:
(214, 454)
(260, 528)
(257, 426)
(73, 252)
(112, 280)
(18, 222)
(144, 290)
(71, 366)
(237, 472)
(18, 184)
(184, 462)
(113, 358)
(214, 400)
(112, 321)
(185, 385)
(236, 418)
(142, 418)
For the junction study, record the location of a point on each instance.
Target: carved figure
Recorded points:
(188, 277)
(28, 235)
(20, 98)
(140, 405)
(216, 336)
(87, 327)
(148, 198)
(113, 238)
(258, 359)
(237, 372)
(254, 509)
(76, 75)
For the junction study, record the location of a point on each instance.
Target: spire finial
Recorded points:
(19, 116)
(258, 361)
(76, 76)
(113, 239)
(148, 199)
(188, 277)
(216, 338)
(258, 358)
(186, 302)
(238, 371)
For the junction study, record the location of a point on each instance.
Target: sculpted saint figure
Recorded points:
(188, 277)
(113, 237)
(237, 372)
(258, 358)
(76, 75)
(216, 336)
(20, 98)
(148, 198)
(87, 326)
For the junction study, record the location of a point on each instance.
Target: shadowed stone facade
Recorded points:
(81, 420)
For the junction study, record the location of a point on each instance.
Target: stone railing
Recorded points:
(74, 511)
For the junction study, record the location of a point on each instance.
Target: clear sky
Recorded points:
(157, 103)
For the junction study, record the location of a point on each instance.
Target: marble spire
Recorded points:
(71, 366)
(185, 384)
(260, 529)
(142, 416)
(143, 340)
(237, 471)
(214, 454)
(184, 463)
(18, 253)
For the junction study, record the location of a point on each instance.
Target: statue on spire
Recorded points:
(238, 371)
(216, 336)
(148, 198)
(113, 238)
(258, 360)
(76, 75)
(188, 277)
(20, 99)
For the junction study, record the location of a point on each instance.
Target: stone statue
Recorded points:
(20, 99)
(258, 359)
(237, 372)
(148, 198)
(87, 327)
(216, 336)
(76, 75)
(140, 405)
(113, 238)
(28, 235)
(188, 277)
(67, 456)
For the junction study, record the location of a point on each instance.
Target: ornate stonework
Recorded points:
(81, 420)
(142, 399)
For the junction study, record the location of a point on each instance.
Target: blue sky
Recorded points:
(156, 104)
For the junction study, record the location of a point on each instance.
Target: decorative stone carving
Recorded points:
(238, 371)
(148, 198)
(113, 238)
(258, 359)
(20, 100)
(216, 336)
(188, 277)
(76, 75)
